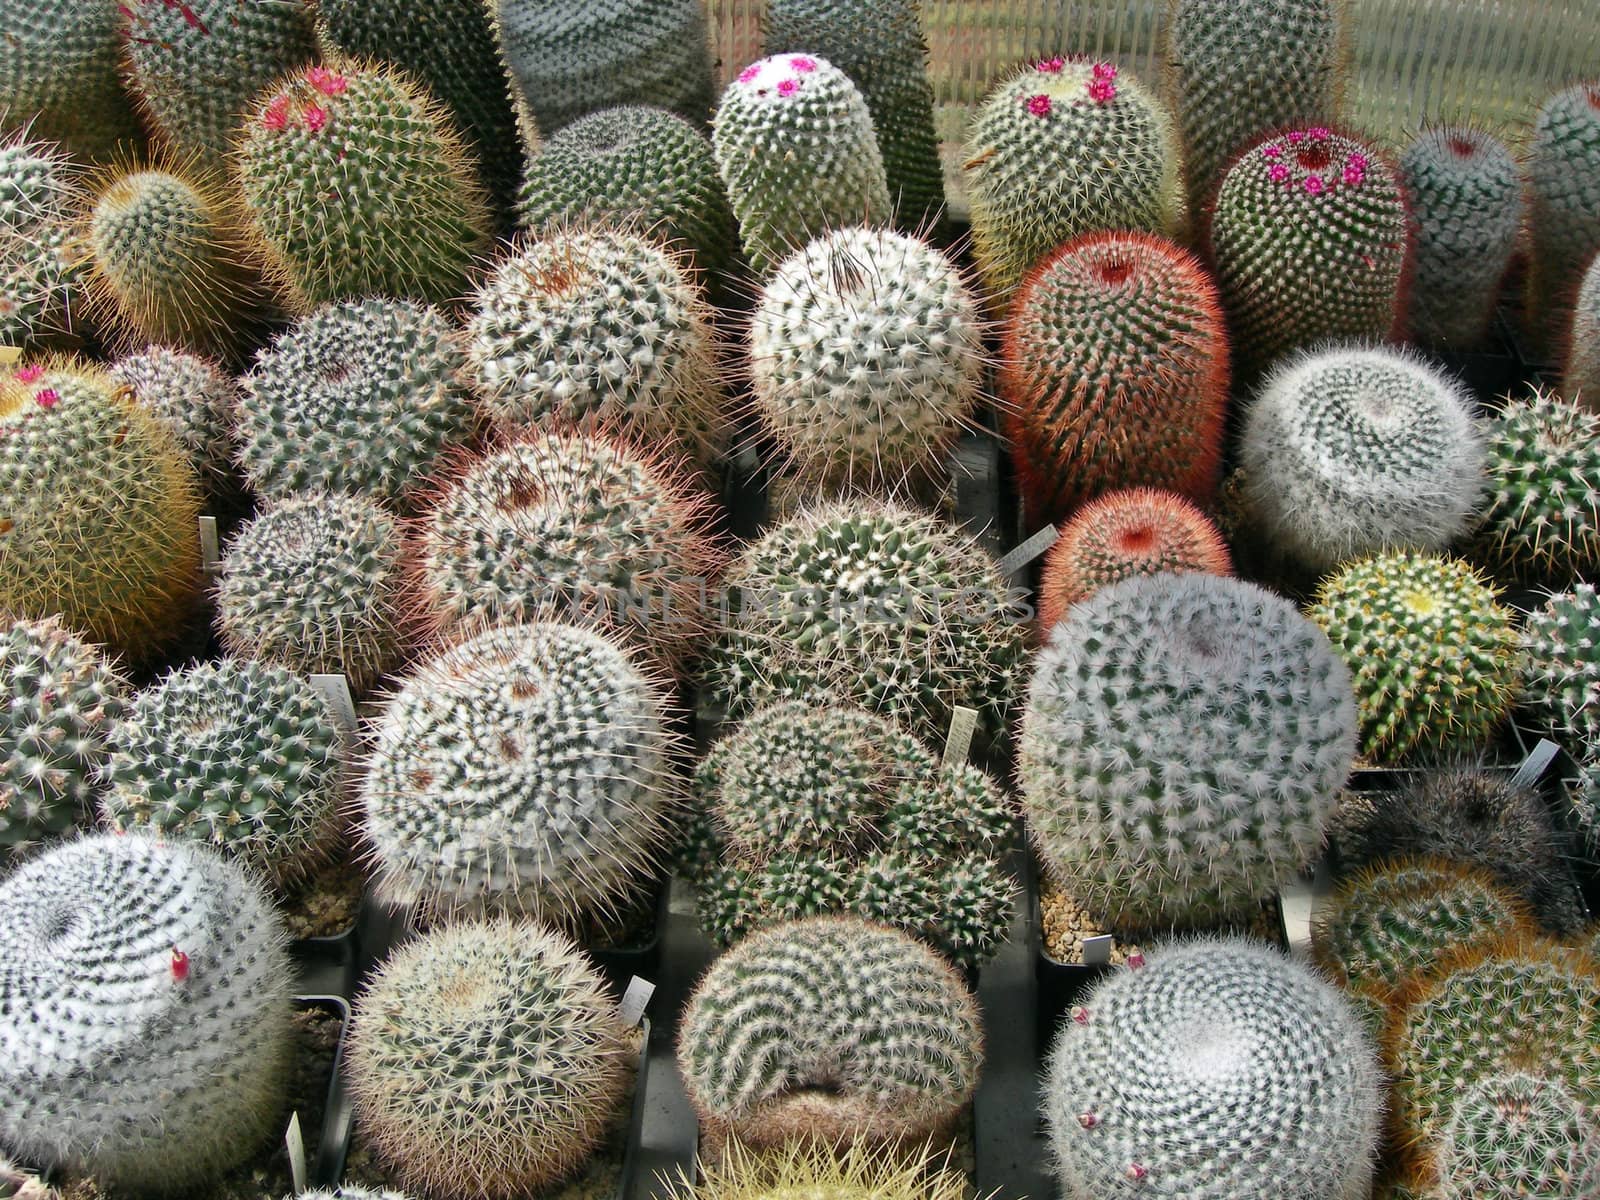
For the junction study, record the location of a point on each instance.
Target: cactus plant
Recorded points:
(485, 1059)
(866, 359)
(241, 756)
(1114, 372)
(1580, 371)
(194, 398)
(1105, 146)
(1385, 924)
(797, 152)
(167, 261)
(1239, 68)
(449, 46)
(579, 526)
(874, 604)
(1123, 534)
(1564, 204)
(1542, 518)
(881, 47)
(60, 700)
(318, 160)
(98, 520)
(60, 75)
(1561, 679)
(565, 61)
(18, 1183)
(1184, 741)
(1311, 240)
(1350, 450)
(194, 67)
(1433, 652)
(145, 990)
(1464, 189)
(315, 585)
(349, 1191)
(39, 270)
(634, 163)
(522, 770)
(1219, 1069)
(598, 327)
(805, 1169)
(831, 1030)
(362, 396)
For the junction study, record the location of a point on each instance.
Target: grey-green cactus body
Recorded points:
(61, 75)
(1580, 375)
(1564, 203)
(38, 270)
(194, 398)
(1516, 1135)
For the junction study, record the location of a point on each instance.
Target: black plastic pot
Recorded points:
(328, 1167)
(619, 964)
(1491, 371)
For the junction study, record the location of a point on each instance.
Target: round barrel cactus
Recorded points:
(61, 76)
(1561, 678)
(802, 1168)
(195, 398)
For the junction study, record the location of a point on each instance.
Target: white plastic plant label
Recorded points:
(1031, 549)
(296, 1146)
(210, 548)
(635, 1000)
(1097, 950)
(958, 742)
(336, 690)
(1536, 764)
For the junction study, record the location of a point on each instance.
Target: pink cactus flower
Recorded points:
(788, 87)
(1102, 90)
(1319, 133)
(329, 83)
(180, 965)
(1080, 1015)
(1050, 66)
(1314, 185)
(47, 397)
(1136, 1173)
(315, 117)
(749, 73)
(1088, 1120)
(29, 374)
(1296, 136)
(1277, 172)
(1105, 70)
(802, 64)
(1353, 175)
(276, 114)
(1271, 151)
(1135, 962)
(1039, 105)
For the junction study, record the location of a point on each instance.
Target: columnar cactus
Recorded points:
(314, 584)
(194, 398)
(60, 699)
(854, 1172)
(144, 1012)
(565, 61)
(873, 604)
(866, 359)
(1433, 652)
(319, 160)
(1137, 531)
(1062, 149)
(61, 75)
(194, 67)
(1464, 188)
(38, 269)
(580, 527)
(880, 46)
(99, 509)
(634, 163)
(241, 756)
(1542, 519)
(830, 1030)
(1114, 372)
(1347, 451)
(523, 770)
(1580, 373)
(362, 396)
(167, 261)
(1206, 708)
(1561, 656)
(1385, 924)
(1243, 67)
(1564, 203)
(485, 1059)
(797, 152)
(600, 327)
(1311, 240)
(1217, 1070)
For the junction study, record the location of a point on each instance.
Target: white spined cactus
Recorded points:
(144, 1012)
(1219, 1069)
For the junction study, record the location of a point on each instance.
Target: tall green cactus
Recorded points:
(1580, 373)
(1564, 208)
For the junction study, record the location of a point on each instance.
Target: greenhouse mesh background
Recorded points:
(1412, 60)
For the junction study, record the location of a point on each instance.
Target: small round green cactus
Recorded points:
(1183, 746)
(358, 184)
(1137, 531)
(1114, 373)
(1542, 519)
(1350, 450)
(194, 398)
(195, 66)
(566, 60)
(362, 396)
(1433, 652)
(1216, 1070)
(314, 584)
(872, 604)
(485, 1059)
(829, 1030)
(1465, 192)
(1564, 204)
(795, 145)
(523, 770)
(61, 74)
(866, 359)
(600, 327)
(1385, 924)
(577, 526)
(633, 164)
(879, 44)
(244, 757)
(98, 509)
(60, 699)
(1311, 240)
(1580, 373)
(1062, 149)
(39, 270)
